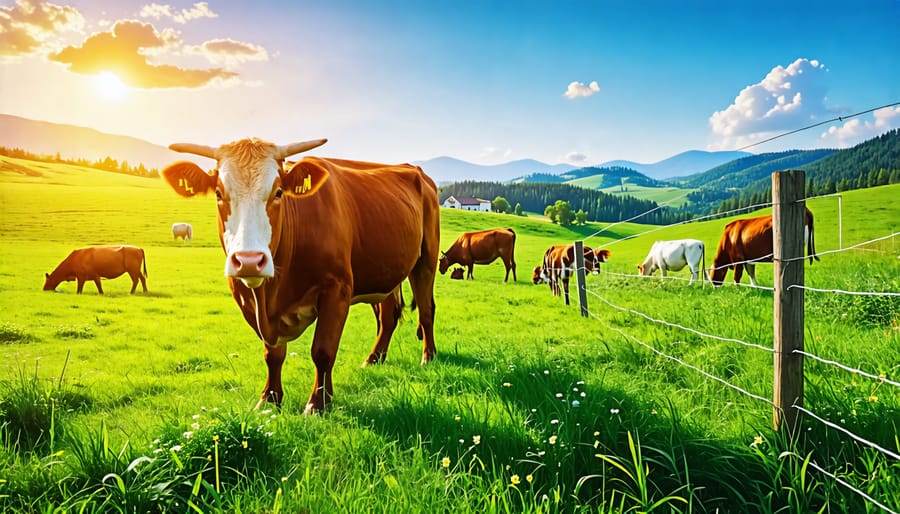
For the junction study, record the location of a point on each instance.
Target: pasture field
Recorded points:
(144, 403)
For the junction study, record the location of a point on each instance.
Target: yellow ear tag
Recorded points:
(306, 186)
(184, 183)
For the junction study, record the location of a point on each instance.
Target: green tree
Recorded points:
(519, 209)
(564, 212)
(500, 205)
(551, 213)
(580, 217)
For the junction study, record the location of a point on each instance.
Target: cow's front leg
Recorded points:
(99, 287)
(273, 392)
(334, 305)
(738, 273)
(469, 275)
(566, 289)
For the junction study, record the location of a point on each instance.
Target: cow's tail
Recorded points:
(811, 244)
(144, 259)
(704, 275)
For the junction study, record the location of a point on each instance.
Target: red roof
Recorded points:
(468, 200)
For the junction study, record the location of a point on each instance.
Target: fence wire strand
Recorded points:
(679, 361)
(851, 434)
(682, 327)
(848, 368)
(846, 484)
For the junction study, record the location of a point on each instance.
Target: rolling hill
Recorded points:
(74, 142)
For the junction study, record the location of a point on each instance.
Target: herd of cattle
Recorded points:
(306, 240)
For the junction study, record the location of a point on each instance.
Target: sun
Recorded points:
(110, 87)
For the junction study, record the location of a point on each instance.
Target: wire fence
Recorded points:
(880, 378)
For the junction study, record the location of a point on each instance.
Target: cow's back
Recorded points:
(105, 261)
(376, 219)
(487, 245)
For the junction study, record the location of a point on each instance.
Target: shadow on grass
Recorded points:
(538, 422)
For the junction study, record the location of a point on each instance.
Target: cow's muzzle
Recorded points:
(249, 267)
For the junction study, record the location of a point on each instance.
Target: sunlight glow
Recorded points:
(110, 87)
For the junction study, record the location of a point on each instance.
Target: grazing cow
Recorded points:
(457, 273)
(559, 265)
(96, 262)
(748, 241)
(182, 230)
(483, 247)
(675, 255)
(304, 244)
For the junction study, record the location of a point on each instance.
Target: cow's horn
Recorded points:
(295, 148)
(202, 150)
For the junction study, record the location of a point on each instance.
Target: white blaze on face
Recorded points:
(248, 231)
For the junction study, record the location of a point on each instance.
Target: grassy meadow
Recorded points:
(144, 402)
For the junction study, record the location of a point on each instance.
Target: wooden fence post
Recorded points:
(579, 277)
(788, 225)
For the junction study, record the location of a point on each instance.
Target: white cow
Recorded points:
(182, 230)
(675, 255)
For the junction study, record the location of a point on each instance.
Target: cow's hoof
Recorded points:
(312, 409)
(372, 360)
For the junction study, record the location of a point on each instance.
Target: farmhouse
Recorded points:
(467, 203)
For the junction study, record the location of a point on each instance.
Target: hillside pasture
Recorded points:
(528, 408)
(670, 196)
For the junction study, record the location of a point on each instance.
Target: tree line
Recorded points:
(105, 164)
(875, 162)
(597, 205)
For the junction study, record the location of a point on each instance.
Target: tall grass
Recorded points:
(124, 403)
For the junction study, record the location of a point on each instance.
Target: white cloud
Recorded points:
(157, 11)
(229, 52)
(856, 130)
(576, 157)
(578, 89)
(785, 99)
(34, 27)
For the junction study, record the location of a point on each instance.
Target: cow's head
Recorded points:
(539, 277)
(249, 183)
(717, 274)
(591, 261)
(443, 263)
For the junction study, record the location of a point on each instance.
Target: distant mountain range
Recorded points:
(448, 169)
(73, 142)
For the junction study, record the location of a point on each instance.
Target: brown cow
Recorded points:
(483, 247)
(559, 265)
(303, 245)
(96, 262)
(748, 241)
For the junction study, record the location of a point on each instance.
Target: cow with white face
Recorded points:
(674, 256)
(304, 244)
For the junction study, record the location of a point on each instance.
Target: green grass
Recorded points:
(528, 407)
(671, 196)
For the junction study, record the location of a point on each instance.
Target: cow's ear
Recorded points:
(188, 179)
(303, 179)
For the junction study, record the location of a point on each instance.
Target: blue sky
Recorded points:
(483, 81)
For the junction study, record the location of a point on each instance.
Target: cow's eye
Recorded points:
(278, 193)
(218, 194)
